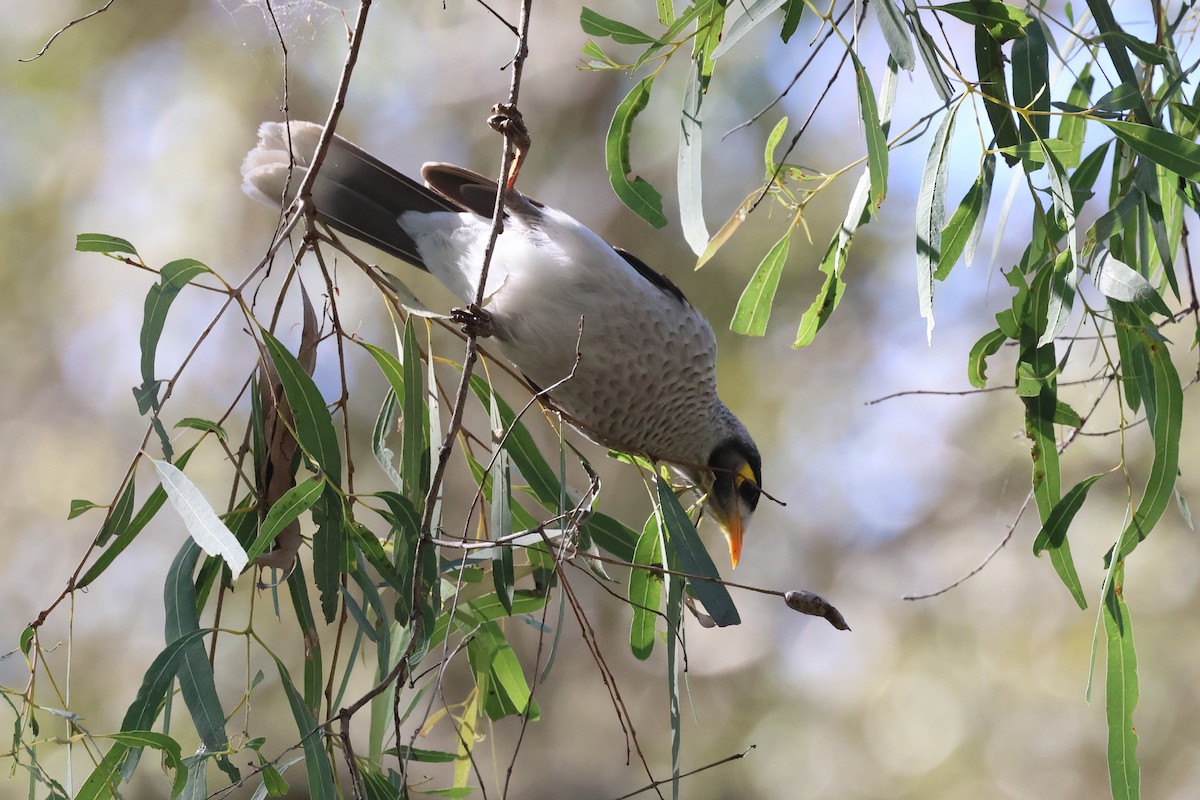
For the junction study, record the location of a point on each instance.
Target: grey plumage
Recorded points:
(646, 379)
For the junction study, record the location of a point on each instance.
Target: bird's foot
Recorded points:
(506, 119)
(475, 321)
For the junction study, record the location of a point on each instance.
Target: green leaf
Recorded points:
(1164, 408)
(82, 506)
(1166, 149)
(99, 783)
(1037, 362)
(103, 243)
(931, 215)
(1031, 83)
(832, 265)
(498, 674)
(595, 24)
(542, 480)
(313, 677)
(330, 553)
(793, 10)
(614, 536)
(314, 424)
(1073, 127)
(172, 279)
(987, 345)
(503, 573)
(751, 16)
(202, 523)
(929, 56)
(196, 423)
(316, 759)
(1118, 281)
(989, 61)
(691, 195)
(895, 33)
(694, 560)
(1001, 20)
(877, 147)
(754, 306)
(415, 434)
(295, 501)
(965, 227)
(639, 195)
(1053, 536)
(196, 681)
(1121, 694)
(118, 518)
(645, 590)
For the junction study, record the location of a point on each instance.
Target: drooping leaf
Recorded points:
(931, 215)
(295, 501)
(693, 559)
(207, 425)
(962, 232)
(1118, 281)
(1053, 536)
(314, 424)
(993, 85)
(1121, 694)
(199, 518)
(1031, 84)
(691, 195)
(638, 194)
(792, 12)
(877, 148)
(928, 52)
(415, 433)
(987, 345)
(196, 681)
(503, 572)
(754, 306)
(752, 14)
(645, 590)
(895, 33)
(173, 277)
(316, 759)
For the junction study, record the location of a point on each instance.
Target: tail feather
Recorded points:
(355, 193)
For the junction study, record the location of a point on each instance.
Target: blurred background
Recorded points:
(135, 123)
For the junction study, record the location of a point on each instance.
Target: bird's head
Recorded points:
(733, 481)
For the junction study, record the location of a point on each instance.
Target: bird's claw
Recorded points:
(475, 321)
(507, 120)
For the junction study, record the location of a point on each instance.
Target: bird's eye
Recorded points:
(749, 491)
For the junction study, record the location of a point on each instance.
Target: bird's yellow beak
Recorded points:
(732, 528)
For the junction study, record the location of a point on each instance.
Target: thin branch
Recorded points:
(61, 30)
(656, 784)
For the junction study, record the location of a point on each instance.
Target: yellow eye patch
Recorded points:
(745, 474)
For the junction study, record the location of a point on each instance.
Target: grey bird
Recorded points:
(645, 382)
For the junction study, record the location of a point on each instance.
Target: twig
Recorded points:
(656, 784)
(58, 32)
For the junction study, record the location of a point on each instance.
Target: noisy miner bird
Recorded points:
(645, 380)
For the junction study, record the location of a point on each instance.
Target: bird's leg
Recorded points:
(475, 321)
(507, 120)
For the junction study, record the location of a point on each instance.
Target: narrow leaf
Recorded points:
(895, 33)
(595, 24)
(1121, 695)
(645, 590)
(695, 560)
(1162, 147)
(314, 424)
(877, 148)
(691, 195)
(199, 518)
(987, 345)
(1031, 83)
(754, 306)
(639, 195)
(1053, 535)
(316, 759)
(294, 502)
(931, 214)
